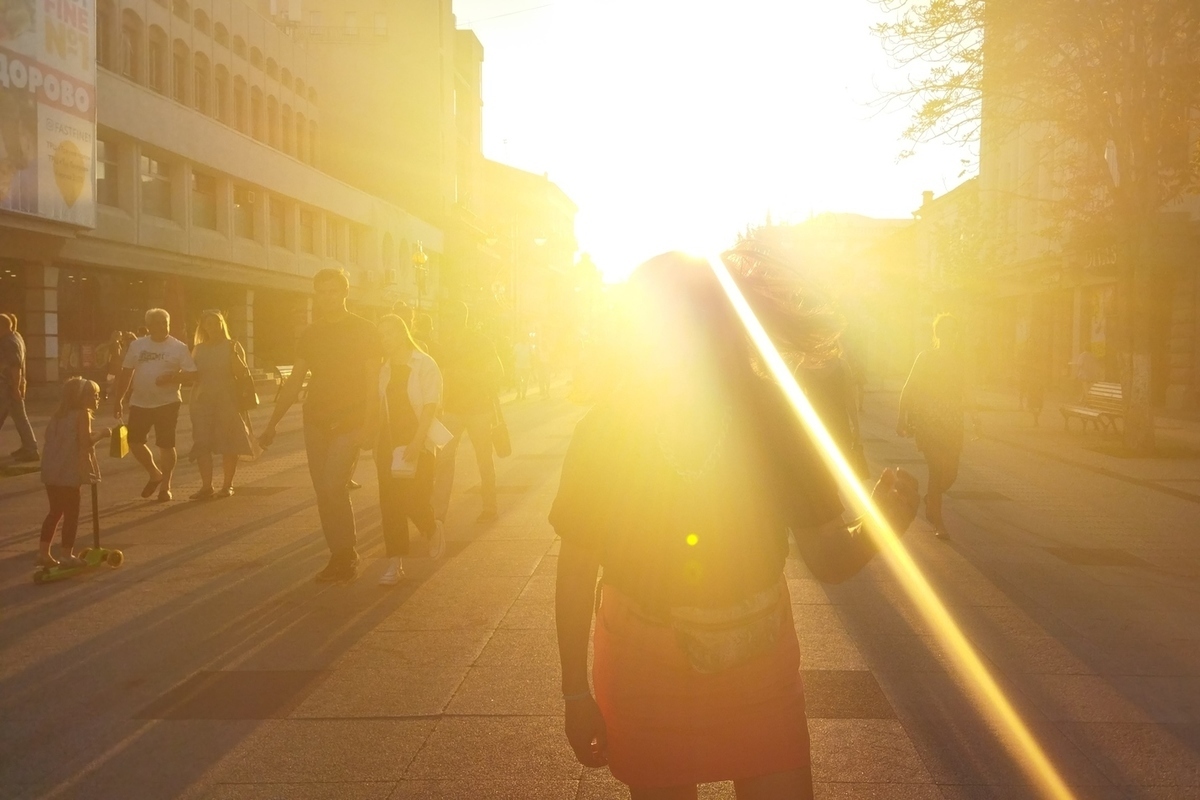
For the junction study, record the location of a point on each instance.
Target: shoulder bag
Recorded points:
(243, 381)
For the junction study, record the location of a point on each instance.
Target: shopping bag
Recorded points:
(500, 439)
(118, 442)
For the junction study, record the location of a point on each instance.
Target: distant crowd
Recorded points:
(395, 387)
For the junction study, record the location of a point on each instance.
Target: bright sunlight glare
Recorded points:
(971, 672)
(674, 125)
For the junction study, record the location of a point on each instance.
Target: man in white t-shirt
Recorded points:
(156, 366)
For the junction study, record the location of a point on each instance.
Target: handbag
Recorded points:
(118, 441)
(243, 381)
(500, 439)
(717, 639)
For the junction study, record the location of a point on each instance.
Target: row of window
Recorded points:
(156, 188)
(350, 26)
(173, 70)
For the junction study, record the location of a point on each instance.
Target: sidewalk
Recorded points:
(211, 666)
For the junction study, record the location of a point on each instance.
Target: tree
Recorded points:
(1111, 88)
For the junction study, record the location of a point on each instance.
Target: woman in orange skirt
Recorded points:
(682, 485)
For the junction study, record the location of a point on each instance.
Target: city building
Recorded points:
(238, 147)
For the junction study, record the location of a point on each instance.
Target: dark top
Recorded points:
(828, 390)
(621, 498)
(932, 402)
(470, 371)
(335, 352)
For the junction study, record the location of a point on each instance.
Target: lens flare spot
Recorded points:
(692, 540)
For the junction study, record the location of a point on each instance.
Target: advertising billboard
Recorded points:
(48, 109)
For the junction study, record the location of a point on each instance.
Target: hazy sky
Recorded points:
(673, 124)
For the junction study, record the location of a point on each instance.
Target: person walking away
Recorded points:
(422, 331)
(218, 425)
(69, 461)
(107, 353)
(522, 366)
(12, 387)
(155, 365)
(682, 484)
(471, 372)
(931, 410)
(410, 390)
(342, 352)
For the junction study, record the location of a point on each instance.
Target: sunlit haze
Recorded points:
(673, 124)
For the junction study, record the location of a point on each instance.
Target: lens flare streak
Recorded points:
(969, 669)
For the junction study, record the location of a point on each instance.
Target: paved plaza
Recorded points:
(212, 666)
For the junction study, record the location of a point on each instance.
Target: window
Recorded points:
(156, 187)
(239, 47)
(204, 201)
(300, 88)
(179, 71)
(381, 24)
(243, 212)
(182, 10)
(286, 78)
(312, 95)
(256, 113)
(200, 89)
(332, 234)
(201, 21)
(353, 243)
(286, 123)
(156, 59)
(106, 18)
(272, 68)
(221, 34)
(312, 142)
(306, 231)
(239, 104)
(106, 172)
(131, 45)
(278, 222)
(351, 23)
(222, 96)
(316, 24)
(256, 57)
(301, 138)
(273, 122)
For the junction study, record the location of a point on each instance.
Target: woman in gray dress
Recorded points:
(218, 426)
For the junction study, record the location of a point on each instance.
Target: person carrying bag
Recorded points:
(410, 390)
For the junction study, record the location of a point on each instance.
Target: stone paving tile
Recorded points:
(302, 791)
(401, 690)
(321, 751)
(966, 751)
(508, 690)
(1142, 755)
(864, 751)
(481, 789)
(1079, 698)
(874, 791)
(833, 650)
(493, 744)
(529, 615)
(539, 587)
(903, 652)
(520, 648)
(384, 649)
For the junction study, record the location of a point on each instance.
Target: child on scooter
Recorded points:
(68, 462)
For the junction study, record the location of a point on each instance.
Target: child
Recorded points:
(68, 462)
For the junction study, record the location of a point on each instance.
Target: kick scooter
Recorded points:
(92, 557)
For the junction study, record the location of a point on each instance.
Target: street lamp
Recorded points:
(419, 272)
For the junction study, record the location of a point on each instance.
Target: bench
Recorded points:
(1102, 405)
(282, 373)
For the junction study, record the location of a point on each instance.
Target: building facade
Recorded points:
(216, 185)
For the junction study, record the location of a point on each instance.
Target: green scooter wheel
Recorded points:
(115, 558)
